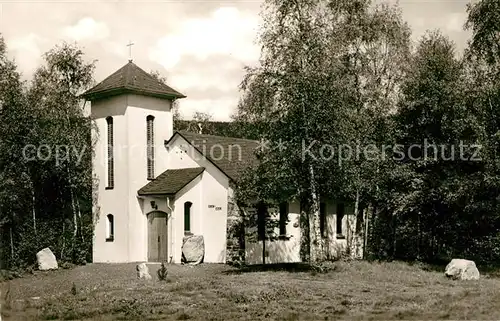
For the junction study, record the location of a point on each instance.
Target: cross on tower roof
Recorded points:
(129, 45)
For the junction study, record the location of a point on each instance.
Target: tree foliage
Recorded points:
(343, 73)
(329, 75)
(46, 153)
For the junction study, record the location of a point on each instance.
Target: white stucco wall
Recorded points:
(288, 251)
(279, 251)
(139, 108)
(129, 114)
(181, 155)
(116, 251)
(214, 209)
(208, 192)
(334, 246)
(209, 198)
(190, 193)
(161, 205)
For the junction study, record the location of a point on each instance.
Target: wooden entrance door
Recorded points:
(157, 237)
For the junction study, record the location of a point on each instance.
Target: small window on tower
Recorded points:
(110, 228)
(150, 147)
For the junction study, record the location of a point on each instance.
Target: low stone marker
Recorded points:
(143, 271)
(460, 269)
(193, 249)
(46, 260)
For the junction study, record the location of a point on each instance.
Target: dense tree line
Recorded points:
(331, 73)
(45, 159)
(345, 73)
(218, 128)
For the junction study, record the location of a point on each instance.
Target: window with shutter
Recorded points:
(150, 147)
(283, 218)
(110, 160)
(340, 218)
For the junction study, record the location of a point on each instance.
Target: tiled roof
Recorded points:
(170, 181)
(237, 129)
(131, 79)
(231, 155)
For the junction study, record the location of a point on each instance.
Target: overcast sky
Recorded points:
(201, 46)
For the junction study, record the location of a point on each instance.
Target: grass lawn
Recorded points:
(356, 290)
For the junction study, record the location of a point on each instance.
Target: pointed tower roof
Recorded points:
(134, 80)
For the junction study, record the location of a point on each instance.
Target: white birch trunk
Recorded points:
(73, 206)
(34, 210)
(63, 240)
(79, 218)
(11, 245)
(365, 238)
(351, 234)
(75, 221)
(315, 239)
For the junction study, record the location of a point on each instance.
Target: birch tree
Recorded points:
(63, 125)
(327, 72)
(45, 153)
(13, 190)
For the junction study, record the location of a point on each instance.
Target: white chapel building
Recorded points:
(156, 186)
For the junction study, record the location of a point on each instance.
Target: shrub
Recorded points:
(162, 272)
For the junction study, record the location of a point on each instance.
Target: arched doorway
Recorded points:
(157, 237)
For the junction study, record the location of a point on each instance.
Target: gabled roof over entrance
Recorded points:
(170, 181)
(131, 79)
(230, 155)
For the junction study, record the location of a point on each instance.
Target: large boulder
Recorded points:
(460, 269)
(46, 260)
(193, 249)
(143, 271)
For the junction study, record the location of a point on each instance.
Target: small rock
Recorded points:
(143, 271)
(460, 269)
(46, 260)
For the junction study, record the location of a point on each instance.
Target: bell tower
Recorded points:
(133, 117)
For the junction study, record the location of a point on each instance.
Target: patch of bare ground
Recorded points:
(355, 290)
